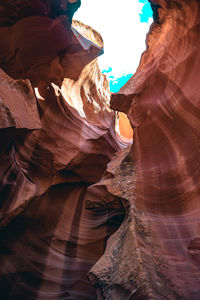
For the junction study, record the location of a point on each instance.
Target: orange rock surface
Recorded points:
(55, 142)
(85, 213)
(155, 253)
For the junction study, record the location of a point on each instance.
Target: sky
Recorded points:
(123, 26)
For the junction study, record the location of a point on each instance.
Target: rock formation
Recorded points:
(55, 142)
(155, 253)
(76, 197)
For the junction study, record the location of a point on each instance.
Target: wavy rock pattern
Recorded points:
(155, 253)
(55, 143)
(68, 176)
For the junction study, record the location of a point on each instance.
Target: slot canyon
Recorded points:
(99, 191)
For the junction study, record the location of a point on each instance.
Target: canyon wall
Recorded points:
(77, 199)
(156, 252)
(57, 136)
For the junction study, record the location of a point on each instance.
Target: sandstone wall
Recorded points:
(155, 253)
(70, 178)
(56, 140)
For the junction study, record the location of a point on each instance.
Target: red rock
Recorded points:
(53, 238)
(155, 253)
(18, 117)
(11, 11)
(55, 50)
(69, 174)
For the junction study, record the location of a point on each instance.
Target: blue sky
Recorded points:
(146, 12)
(124, 32)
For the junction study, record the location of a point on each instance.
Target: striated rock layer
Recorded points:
(55, 142)
(69, 174)
(155, 254)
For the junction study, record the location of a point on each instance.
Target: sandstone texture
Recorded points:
(84, 212)
(57, 136)
(155, 253)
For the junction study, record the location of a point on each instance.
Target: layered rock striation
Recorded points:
(155, 253)
(70, 178)
(57, 136)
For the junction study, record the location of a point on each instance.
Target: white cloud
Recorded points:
(124, 35)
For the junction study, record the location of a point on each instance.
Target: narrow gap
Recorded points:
(123, 26)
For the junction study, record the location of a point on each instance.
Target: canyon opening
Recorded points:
(99, 176)
(123, 28)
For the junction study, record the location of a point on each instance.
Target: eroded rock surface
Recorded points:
(55, 142)
(68, 177)
(51, 53)
(155, 253)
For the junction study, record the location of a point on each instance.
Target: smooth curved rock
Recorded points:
(155, 253)
(55, 50)
(68, 175)
(49, 240)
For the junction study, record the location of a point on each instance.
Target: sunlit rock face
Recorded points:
(55, 143)
(69, 174)
(155, 253)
